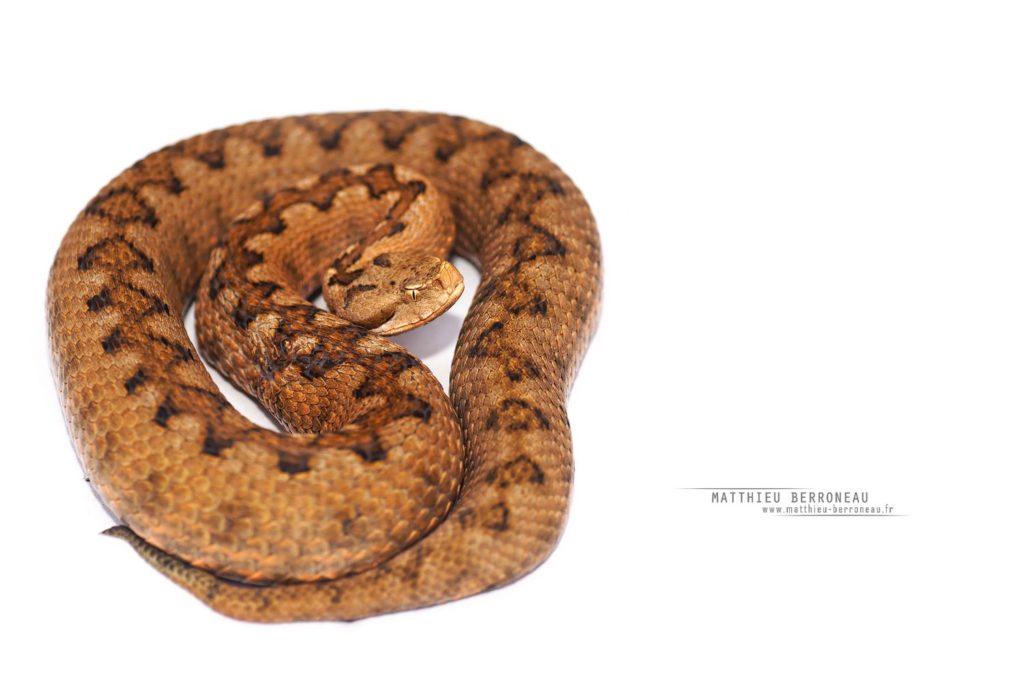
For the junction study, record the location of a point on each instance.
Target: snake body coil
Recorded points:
(384, 496)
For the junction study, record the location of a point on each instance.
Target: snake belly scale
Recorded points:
(382, 495)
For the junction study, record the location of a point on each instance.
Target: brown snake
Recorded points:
(384, 495)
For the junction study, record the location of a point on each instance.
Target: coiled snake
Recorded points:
(383, 495)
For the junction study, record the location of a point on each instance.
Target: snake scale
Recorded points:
(381, 494)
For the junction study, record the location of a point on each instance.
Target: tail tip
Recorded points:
(122, 532)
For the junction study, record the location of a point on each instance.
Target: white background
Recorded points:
(811, 215)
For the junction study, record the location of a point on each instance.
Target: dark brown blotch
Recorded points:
(516, 369)
(537, 244)
(122, 205)
(316, 363)
(134, 381)
(99, 301)
(182, 353)
(330, 142)
(123, 255)
(418, 408)
(520, 470)
(352, 292)
(514, 414)
(536, 305)
(486, 343)
(243, 316)
(277, 226)
(114, 341)
(157, 306)
(213, 445)
(213, 159)
(217, 282)
(370, 449)
(345, 278)
(496, 518)
(165, 412)
(250, 258)
(267, 289)
(293, 462)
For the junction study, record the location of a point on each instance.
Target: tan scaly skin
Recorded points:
(369, 504)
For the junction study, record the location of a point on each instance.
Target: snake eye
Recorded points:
(412, 289)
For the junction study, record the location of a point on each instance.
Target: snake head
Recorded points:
(395, 292)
